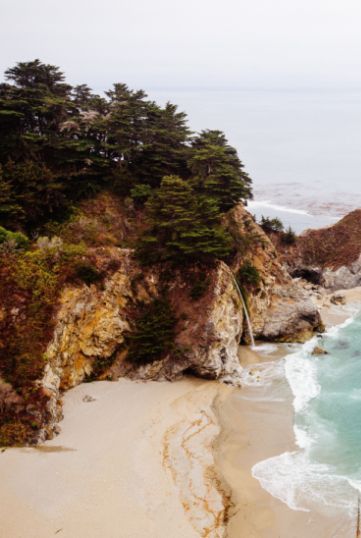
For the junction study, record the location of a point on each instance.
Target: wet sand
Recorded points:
(334, 314)
(161, 460)
(254, 430)
(254, 427)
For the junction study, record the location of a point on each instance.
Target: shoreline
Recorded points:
(165, 459)
(255, 427)
(336, 314)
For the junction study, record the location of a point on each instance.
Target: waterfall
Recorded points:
(248, 319)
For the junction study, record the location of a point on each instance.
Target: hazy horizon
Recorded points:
(281, 80)
(236, 44)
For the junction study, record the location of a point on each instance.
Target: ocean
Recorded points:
(302, 150)
(324, 473)
(300, 147)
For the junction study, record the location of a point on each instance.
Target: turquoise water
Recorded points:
(325, 471)
(333, 419)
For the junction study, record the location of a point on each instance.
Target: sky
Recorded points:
(188, 43)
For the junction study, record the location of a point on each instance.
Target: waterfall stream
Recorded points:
(248, 319)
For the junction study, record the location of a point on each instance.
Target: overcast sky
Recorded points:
(172, 43)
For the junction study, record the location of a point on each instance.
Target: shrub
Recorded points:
(154, 333)
(289, 237)
(19, 239)
(248, 275)
(199, 288)
(269, 225)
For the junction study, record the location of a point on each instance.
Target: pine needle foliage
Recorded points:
(154, 333)
(217, 170)
(184, 227)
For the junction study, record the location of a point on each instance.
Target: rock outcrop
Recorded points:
(208, 333)
(281, 308)
(90, 328)
(344, 277)
(330, 257)
(90, 338)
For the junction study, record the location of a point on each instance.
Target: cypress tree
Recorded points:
(217, 170)
(184, 227)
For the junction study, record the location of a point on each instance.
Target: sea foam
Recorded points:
(319, 475)
(269, 205)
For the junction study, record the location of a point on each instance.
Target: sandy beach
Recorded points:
(256, 427)
(163, 460)
(334, 314)
(133, 460)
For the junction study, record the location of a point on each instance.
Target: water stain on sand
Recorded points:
(48, 449)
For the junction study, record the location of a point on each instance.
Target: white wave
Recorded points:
(301, 374)
(356, 484)
(293, 477)
(300, 484)
(332, 332)
(252, 204)
(302, 439)
(263, 373)
(266, 348)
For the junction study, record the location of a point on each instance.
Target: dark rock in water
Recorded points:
(318, 350)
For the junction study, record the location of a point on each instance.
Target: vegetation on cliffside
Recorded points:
(81, 172)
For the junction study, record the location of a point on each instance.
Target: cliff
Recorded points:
(92, 322)
(329, 256)
(281, 308)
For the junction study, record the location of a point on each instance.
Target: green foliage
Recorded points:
(248, 275)
(60, 143)
(35, 194)
(140, 194)
(184, 228)
(17, 238)
(154, 333)
(30, 282)
(289, 237)
(217, 170)
(271, 225)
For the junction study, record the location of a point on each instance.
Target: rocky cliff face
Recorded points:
(281, 308)
(208, 333)
(329, 256)
(89, 338)
(92, 321)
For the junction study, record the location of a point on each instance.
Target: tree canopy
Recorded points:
(185, 228)
(217, 170)
(82, 142)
